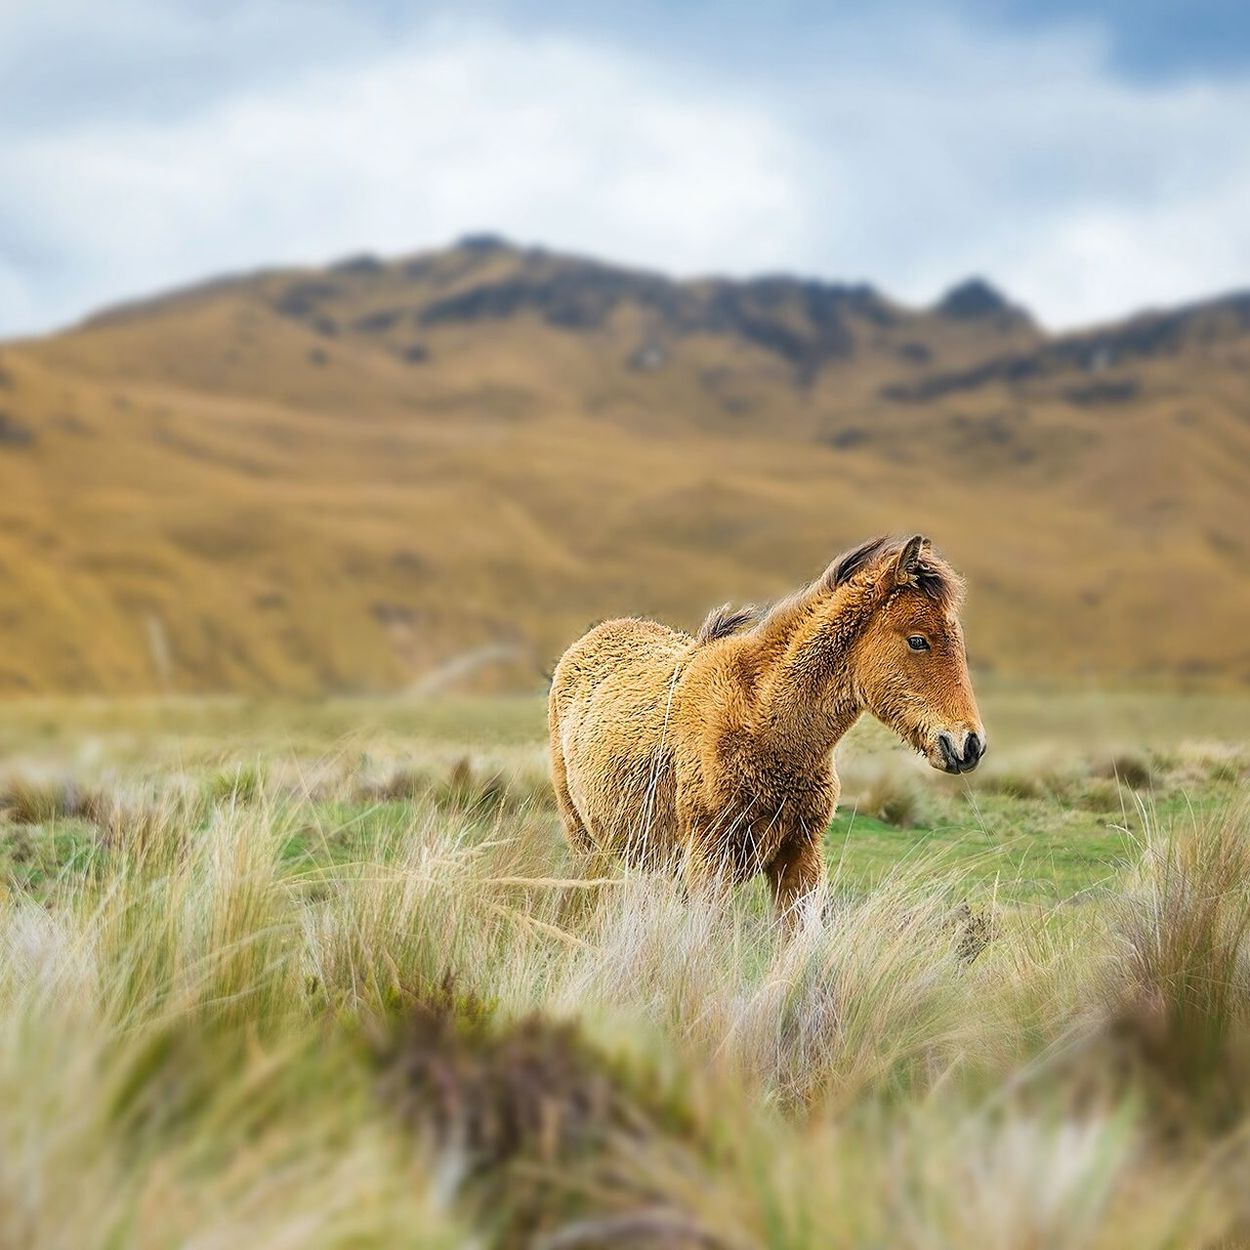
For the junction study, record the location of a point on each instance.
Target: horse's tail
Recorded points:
(725, 620)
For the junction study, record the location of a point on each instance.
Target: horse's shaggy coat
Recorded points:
(715, 752)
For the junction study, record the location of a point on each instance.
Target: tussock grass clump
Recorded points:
(868, 997)
(891, 795)
(1229, 771)
(530, 1110)
(1130, 769)
(135, 820)
(1100, 794)
(1178, 987)
(468, 789)
(28, 799)
(236, 783)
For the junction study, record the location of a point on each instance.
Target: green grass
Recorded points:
(1022, 849)
(1047, 865)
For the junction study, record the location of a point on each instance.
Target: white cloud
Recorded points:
(543, 139)
(1028, 161)
(918, 152)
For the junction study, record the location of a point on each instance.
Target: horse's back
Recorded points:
(609, 707)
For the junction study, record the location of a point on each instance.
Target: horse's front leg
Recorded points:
(796, 873)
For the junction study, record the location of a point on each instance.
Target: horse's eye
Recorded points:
(917, 642)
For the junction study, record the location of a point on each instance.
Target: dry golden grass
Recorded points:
(367, 999)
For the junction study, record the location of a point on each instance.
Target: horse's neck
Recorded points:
(805, 691)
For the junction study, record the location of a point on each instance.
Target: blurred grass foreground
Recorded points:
(326, 975)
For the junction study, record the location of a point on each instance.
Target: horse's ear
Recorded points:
(908, 563)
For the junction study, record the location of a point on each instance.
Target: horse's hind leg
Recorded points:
(574, 828)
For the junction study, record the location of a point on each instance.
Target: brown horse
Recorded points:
(715, 752)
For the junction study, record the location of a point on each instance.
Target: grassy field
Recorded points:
(324, 974)
(1060, 805)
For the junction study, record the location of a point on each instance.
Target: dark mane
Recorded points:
(940, 582)
(933, 577)
(851, 562)
(725, 620)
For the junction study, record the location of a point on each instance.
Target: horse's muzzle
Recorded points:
(953, 761)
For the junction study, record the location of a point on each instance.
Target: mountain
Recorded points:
(439, 469)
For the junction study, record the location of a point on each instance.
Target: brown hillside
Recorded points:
(440, 469)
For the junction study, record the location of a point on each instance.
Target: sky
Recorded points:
(1088, 159)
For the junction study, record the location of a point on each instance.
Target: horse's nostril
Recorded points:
(950, 757)
(972, 749)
